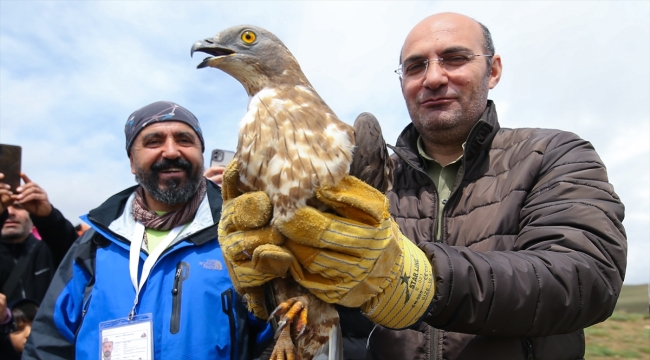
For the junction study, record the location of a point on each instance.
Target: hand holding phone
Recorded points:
(5, 195)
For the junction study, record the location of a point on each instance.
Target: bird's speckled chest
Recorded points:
(290, 142)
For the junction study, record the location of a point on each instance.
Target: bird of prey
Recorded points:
(290, 143)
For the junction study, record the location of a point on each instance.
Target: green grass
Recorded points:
(626, 334)
(604, 351)
(633, 299)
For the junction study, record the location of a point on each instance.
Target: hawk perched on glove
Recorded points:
(290, 142)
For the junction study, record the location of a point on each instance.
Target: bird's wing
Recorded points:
(371, 162)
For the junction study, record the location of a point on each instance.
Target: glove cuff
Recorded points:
(408, 291)
(255, 300)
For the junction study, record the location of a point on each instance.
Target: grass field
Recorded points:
(626, 334)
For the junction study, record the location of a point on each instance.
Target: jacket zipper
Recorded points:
(434, 343)
(86, 305)
(528, 349)
(182, 273)
(415, 167)
(227, 307)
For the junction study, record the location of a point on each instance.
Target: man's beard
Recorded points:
(13, 237)
(452, 126)
(171, 192)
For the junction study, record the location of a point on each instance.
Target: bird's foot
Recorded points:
(292, 310)
(284, 348)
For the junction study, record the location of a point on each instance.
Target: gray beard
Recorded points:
(454, 128)
(171, 193)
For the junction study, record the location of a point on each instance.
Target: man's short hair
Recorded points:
(488, 44)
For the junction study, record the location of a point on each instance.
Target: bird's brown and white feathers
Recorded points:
(289, 144)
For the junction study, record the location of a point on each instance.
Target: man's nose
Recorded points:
(435, 76)
(170, 149)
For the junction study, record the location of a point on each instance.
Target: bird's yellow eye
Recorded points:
(248, 36)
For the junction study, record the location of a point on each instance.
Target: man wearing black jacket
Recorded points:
(29, 264)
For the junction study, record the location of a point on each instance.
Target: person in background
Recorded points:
(23, 313)
(16, 327)
(7, 325)
(29, 264)
(81, 228)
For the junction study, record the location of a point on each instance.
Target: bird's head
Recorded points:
(253, 56)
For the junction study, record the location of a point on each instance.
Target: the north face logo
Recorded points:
(212, 264)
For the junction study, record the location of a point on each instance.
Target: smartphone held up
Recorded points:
(221, 157)
(10, 165)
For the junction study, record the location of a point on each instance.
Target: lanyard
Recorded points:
(134, 257)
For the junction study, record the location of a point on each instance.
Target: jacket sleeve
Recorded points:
(57, 232)
(568, 261)
(59, 316)
(5, 267)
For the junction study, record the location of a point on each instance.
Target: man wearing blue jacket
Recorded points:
(149, 275)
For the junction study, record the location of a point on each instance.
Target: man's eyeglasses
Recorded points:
(414, 69)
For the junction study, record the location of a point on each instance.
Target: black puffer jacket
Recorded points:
(44, 256)
(532, 251)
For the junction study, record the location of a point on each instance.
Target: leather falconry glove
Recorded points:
(360, 258)
(249, 244)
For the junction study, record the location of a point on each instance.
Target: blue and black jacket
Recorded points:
(196, 312)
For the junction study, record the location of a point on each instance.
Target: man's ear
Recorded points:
(495, 72)
(132, 164)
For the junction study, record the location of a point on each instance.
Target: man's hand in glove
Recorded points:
(249, 245)
(360, 258)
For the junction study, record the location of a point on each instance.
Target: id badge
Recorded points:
(124, 339)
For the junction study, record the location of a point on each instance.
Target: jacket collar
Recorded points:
(479, 138)
(20, 248)
(116, 214)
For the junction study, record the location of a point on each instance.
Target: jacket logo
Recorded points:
(212, 264)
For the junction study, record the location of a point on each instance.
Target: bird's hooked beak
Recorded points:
(210, 47)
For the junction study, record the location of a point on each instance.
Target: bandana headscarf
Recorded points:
(157, 112)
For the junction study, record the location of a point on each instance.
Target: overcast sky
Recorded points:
(72, 72)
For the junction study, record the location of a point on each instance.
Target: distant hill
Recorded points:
(633, 299)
